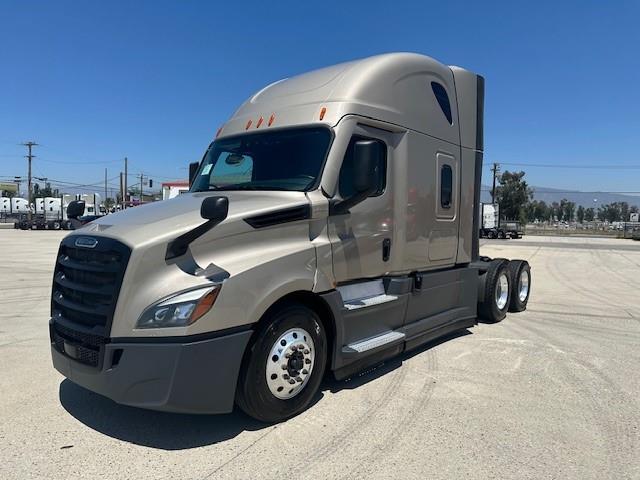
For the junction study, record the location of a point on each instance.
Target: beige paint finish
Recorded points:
(357, 238)
(431, 235)
(389, 87)
(263, 265)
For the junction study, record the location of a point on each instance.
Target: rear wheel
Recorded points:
(501, 235)
(520, 274)
(492, 234)
(284, 365)
(495, 292)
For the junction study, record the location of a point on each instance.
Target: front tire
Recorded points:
(284, 365)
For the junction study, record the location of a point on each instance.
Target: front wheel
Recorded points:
(284, 365)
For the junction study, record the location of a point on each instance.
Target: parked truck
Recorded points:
(332, 224)
(51, 212)
(492, 227)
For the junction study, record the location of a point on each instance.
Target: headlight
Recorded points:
(179, 310)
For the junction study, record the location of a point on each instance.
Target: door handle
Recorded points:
(386, 249)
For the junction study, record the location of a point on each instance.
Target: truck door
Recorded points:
(362, 240)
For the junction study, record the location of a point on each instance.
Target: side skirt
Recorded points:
(396, 349)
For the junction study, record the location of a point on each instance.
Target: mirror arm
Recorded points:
(179, 246)
(339, 207)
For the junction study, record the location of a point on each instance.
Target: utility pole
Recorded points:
(121, 193)
(124, 194)
(29, 157)
(141, 178)
(105, 185)
(495, 170)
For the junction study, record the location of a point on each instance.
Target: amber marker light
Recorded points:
(323, 110)
(248, 125)
(271, 119)
(204, 305)
(260, 120)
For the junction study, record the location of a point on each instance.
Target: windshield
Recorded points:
(288, 159)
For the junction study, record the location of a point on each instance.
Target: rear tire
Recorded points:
(520, 273)
(501, 235)
(492, 234)
(494, 292)
(272, 361)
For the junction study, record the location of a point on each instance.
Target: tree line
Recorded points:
(515, 198)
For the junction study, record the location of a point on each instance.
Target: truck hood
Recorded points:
(162, 221)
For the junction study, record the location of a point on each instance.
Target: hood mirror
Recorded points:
(214, 210)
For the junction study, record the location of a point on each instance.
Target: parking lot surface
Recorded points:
(553, 392)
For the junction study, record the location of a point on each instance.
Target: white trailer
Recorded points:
(492, 227)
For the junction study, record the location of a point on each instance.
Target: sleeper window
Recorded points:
(443, 100)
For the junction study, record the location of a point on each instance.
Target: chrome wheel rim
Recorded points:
(290, 363)
(502, 291)
(523, 291)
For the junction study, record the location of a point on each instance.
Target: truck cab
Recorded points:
(331, 224)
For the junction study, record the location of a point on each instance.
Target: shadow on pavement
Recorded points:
(173, 431)
(386, 366)
(167, 431)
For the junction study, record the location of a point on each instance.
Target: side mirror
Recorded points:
(366, 157)
(75, 209)
(193, 169)
(214, 208)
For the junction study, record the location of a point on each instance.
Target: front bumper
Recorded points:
(190, 377)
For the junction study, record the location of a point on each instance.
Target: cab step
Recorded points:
(364, 294)
(385, 339)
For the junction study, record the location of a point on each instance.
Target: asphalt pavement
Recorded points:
(553, 392)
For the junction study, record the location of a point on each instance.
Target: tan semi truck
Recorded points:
(332, 224)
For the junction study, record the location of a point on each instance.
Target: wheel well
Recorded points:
(315, 303)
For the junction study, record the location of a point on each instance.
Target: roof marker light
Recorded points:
(323, 110)
(248, 125)
(271, 119)
(218, 132)
(260, 120)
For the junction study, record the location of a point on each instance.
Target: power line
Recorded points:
(552, 165)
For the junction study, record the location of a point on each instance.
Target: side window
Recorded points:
(443, 100)
(230, 168)
(446, 186)
(345, 182)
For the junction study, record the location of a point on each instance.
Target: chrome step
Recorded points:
(364, 294)
(367, 302)
(375, 342)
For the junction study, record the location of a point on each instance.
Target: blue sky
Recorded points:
(97, 81)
